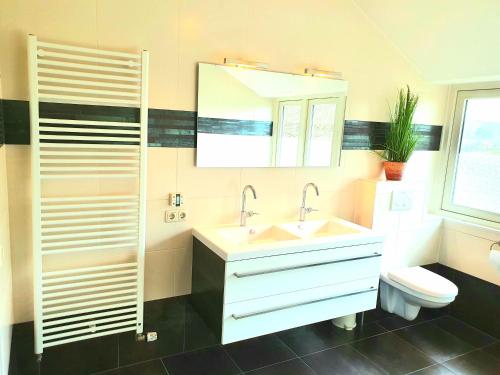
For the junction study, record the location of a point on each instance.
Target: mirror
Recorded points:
(256, 118)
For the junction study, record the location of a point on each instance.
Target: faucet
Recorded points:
(244, 213)
(303, 209)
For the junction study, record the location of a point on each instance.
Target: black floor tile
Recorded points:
(146, 368)
(23, 359)
(166, 317)
(164, 310)
(494, 350)
(392, 353)
(393, 321)
(437, 343)
(477, 302)
(343, 360)
(475, 363)
(209, 361)
(197, 334)
(434, 370)
(181, 329)
(374, 315)
(292, 367)
(170, 341)
(259, 352)
(81, 357)
(464, 331)
(324, 335)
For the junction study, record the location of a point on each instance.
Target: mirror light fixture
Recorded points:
(245, 64)
(323, 73)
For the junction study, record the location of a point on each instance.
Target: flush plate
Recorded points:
(401, 201)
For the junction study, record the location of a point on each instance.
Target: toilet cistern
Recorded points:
(303, 209)
(244, 213)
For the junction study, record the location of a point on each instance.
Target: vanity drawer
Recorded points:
(242, 320)
(268, 276)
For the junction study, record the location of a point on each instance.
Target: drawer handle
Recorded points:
(248, 315)
(239, 275)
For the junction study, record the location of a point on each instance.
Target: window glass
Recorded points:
(477, 171)
(289, 134)
(320, 135)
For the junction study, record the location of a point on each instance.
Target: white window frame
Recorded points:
(338, 129)
(279, 131)
(447, 204)
(305, 129)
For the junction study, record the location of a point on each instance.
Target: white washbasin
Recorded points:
(320, 228)
(238, 243)
(256, 234)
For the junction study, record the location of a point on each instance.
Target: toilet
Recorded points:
(403, 291)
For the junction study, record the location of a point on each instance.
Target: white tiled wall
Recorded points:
(179, 34)
(211, 196)
(466, 247)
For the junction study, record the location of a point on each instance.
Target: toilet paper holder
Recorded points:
(497, 243)
(495, 254)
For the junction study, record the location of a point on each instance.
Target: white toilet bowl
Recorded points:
(403, 291)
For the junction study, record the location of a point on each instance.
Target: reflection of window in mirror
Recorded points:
(290, 130)
(320, 129)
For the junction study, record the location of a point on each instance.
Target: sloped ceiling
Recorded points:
(448, 41)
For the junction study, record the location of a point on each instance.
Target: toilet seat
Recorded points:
(421, 283)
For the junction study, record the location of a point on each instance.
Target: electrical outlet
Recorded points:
(151, 336)
(182, 214)
(171, 216)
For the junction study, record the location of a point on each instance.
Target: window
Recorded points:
(319, 141)
(472, 185)
(291, 125)
(309, 132)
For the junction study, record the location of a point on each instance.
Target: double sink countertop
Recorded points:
(233, 243)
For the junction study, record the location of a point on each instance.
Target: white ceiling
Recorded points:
(448, 41)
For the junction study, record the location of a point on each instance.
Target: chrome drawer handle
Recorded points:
(248, 315)
(239, 275)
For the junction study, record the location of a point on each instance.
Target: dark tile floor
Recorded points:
(432, 344)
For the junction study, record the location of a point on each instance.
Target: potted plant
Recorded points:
(401, 137)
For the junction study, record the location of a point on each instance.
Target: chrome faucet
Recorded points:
(244, 213)
(303, 209)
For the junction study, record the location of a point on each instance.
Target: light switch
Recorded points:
(175, 200)
(401, 201)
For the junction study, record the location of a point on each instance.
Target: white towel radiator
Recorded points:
(89, 193)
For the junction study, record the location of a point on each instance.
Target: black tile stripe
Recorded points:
(234, 127)
(172, 128)
(2, 126)
(370, 135)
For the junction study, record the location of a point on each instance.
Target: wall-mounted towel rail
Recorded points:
(83, 286)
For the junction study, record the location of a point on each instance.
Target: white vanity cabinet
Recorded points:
(260, 294)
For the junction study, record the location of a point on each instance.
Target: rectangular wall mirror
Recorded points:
(256, 118)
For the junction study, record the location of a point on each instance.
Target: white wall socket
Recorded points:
(182, 214)
(171, 216)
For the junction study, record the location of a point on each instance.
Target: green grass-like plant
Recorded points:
(401, 138)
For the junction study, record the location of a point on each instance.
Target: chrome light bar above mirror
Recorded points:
(258, 118)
